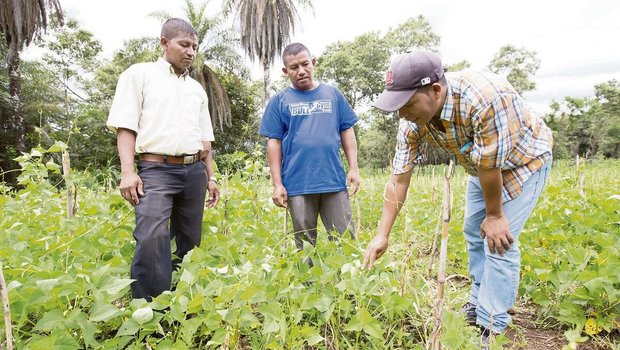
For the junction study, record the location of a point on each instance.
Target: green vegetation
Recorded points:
(247, 287)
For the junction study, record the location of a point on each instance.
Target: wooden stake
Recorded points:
(66, 171)
(358, 218)
(434, 245)
(4, 294)
(443, 254)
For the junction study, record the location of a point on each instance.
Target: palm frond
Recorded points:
(219, 103)
(22, 21)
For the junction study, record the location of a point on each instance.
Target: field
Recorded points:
(246, 287)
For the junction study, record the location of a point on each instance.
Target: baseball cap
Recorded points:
(407, 73)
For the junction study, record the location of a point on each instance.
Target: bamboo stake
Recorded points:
(66, 171)
(358, 217)
(285, 227)
(443, 254)
(579, 166)
(4, 294)
(434, 245)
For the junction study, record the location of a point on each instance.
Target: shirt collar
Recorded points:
(165, 65)
(448, 106)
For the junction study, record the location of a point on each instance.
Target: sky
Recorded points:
(575, 40)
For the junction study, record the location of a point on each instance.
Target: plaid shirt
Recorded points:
(487, 125)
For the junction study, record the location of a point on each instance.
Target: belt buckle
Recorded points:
(188, 159)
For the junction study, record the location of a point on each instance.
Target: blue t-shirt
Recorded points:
(309, 124)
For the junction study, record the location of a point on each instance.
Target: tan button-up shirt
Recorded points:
(169, 113)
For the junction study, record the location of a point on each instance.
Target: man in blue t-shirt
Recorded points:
(306, 123)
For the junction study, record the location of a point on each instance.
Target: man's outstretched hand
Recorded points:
(374, 251)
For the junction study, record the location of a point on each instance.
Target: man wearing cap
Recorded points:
(306, 125)
(162, 114)
(483, 122)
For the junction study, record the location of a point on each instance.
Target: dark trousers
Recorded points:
(335, 211)
(172, 207)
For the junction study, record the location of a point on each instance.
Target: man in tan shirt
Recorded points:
(162, 114)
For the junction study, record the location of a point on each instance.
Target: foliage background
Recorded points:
(248, 287)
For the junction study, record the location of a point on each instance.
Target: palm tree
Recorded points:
(21, 21)
(266, 27)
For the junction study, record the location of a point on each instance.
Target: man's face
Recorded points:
(421, 108)
(180, 51)
(300, 70)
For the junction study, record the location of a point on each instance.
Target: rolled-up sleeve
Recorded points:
(127, 104)
(408, 149)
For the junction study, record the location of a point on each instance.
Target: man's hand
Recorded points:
(279, 196)
(353, 180)
(131, 186)
(497, 232)
(214, 194)
(375, 250)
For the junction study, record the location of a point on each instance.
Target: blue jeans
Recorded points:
(496, 277)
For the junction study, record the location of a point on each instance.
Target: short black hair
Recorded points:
(173, 26)
(294, 49)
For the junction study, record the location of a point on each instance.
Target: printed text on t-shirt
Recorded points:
(307, 108)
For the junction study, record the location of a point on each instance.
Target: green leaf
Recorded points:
(188, 277)
(363, 320)
(270, 325)
(57, 341)
(129, 327)
(52, 319)
(102, 311)
(195, 305)
(189, 329)
(48, 284)
(311, 335)
(218, 338)
(58, 146)
(116, 285)
(78, 319)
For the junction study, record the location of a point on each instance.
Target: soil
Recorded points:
(526, 334)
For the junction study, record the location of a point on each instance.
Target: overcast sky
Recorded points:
(576, 40)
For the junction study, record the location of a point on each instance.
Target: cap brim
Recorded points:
(391, 101)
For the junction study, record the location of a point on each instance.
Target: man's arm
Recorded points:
(495, 225)
(349, 145)
(394, 198)
(207, 159)
(274, 157)
(131, 184)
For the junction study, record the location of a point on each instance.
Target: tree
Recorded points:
(71, 57)
(266, 27)
(357, 67)
(517, 65)
(413, 33)
(457, 66)
(21, 22)
(587, 127)
(606, 123)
